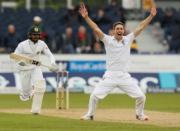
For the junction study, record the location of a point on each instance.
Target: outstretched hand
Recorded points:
(153, 9)
(82, 10)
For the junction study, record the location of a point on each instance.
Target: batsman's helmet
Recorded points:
(34, 30)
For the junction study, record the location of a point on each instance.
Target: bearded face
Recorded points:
(35, 37)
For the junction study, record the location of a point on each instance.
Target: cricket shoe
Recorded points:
(35, 113)
(86, 117)
(24, 98)
(142, 118)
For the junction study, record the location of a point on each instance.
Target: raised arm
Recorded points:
(145, 22)
(84, 13)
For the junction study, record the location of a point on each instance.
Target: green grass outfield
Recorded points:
(21, 122)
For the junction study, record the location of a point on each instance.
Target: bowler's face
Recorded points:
(118, 31)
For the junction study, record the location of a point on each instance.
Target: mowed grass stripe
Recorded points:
(168, 102)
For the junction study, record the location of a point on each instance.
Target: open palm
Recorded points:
(82, 10)
(153, 11)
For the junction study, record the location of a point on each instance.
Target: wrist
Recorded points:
(86, 17)
(151, 15)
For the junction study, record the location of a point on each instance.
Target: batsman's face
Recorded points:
(35, 37)
(119, 31)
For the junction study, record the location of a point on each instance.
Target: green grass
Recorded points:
(157, 102)
(20, 122)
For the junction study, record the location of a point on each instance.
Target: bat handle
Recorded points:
(34, 62)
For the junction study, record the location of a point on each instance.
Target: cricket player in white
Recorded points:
(117, 60)
(32, 81)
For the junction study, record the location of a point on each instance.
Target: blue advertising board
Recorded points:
(86, 74)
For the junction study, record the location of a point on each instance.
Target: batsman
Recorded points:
(32, 82)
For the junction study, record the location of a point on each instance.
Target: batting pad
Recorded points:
(39, 86)
(39, 89)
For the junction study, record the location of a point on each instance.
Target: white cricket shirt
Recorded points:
(28, 48)
(117, 52)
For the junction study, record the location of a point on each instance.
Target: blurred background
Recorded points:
(65, 32)
(155, 59)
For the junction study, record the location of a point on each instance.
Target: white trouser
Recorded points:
(120, 80)
(29, 79)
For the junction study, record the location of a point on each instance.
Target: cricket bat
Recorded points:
(26, 59)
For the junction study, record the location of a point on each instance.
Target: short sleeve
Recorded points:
(105, 39)
(130, 37)
(18, 49)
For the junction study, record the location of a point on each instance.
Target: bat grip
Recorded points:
(34, 62)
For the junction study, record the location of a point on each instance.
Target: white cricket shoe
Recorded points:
(26, 98)
(86, 117)
(23, 98)
(142, 118)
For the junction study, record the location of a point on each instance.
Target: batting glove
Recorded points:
(22, 63)
(54, 68)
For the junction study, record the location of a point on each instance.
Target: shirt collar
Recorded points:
(120, 40)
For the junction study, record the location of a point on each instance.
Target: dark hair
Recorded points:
(118, 23)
